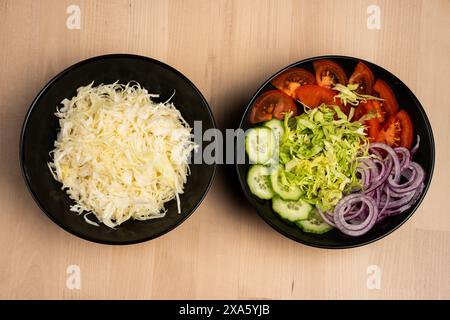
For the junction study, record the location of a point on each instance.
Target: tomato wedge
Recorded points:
(328, 73)
(359, 112)
(398, 131)
(314, 95)
(293, 78)
(373, 124)
(385, 92)
(363, 76)
(273, 103)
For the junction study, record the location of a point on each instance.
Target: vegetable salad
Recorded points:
(345, 162)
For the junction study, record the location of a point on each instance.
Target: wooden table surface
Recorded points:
(227, 48)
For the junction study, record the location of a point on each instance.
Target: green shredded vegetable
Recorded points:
(348, 94)
(319, 152)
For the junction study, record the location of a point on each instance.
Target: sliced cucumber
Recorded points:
(277, 127)
(258, 180)
(314, 224)
(260, 144)
(291, 210)
(280, 186)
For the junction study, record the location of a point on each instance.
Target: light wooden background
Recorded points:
(227, 48)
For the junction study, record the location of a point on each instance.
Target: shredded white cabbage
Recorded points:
(120, 155)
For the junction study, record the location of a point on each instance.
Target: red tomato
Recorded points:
(374, 124)
(344, 108)
(362, 109)
(328, 73)
(291, 79)
(359, 112)
(313, 95)
(362, 76)
(385, 92)
(398, 131)
(273, 103)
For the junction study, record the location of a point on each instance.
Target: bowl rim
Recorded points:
(427, 125)
(49, 84)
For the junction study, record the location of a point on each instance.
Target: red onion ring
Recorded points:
(405, 157)
(381, 179)
(411, 184)
(393, 155)
(326, 218)
(416, 147)
(365, 225)
(388, 197)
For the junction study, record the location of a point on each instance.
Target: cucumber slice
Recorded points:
(285, 191)
(314, 224)
(291, 210)
(276, 126)
(260, 144)
(258, 180)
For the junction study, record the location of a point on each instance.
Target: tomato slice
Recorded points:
(359, 112)
(363, 76)
(374, 124)
(282, 109)
(385, 92)
(406, 138)
(273, 103)
(344, 108)
(398, 131)
(374, 105)
(293, 78)
(328, 73)
(314, 95)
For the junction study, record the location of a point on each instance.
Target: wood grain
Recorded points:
(227, 48)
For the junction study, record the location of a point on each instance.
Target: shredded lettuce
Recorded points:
(319, 153)
(348, 94)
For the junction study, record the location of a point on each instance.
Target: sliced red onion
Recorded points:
(372, 166)
(412, 184)
(378, 197)
(393, 155)
(355, 212)
(401, 201)
(391, 184)
(410, 176)
(326, 218)
(418, 193)
(386, 204)
(377, 154)
(365, 225)
(416, 147)
(378, 181)
(393, 212)
(405, 157)
(364, 177)
(396, 194)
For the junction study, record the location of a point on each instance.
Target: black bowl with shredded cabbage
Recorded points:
(41, 126)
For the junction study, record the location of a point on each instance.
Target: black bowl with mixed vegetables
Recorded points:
(339, 152)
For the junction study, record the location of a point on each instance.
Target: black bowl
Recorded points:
(41, 126)
(425, 156)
